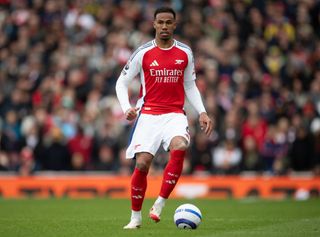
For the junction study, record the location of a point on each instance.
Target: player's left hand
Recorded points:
(206, 123)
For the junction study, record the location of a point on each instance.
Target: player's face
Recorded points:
(164, 24)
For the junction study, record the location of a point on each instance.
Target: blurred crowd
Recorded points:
(257, 65)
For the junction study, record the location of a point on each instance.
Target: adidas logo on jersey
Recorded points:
(154, 63)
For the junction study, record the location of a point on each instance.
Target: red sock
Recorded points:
(172, 172)
(138, 188)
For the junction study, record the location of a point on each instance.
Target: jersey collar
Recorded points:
(174, 44)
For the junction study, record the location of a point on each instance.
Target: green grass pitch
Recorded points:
(106, 217)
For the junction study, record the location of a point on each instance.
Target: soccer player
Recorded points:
(167, 75)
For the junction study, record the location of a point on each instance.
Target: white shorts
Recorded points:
(152, 131)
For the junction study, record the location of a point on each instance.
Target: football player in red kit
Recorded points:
(167, 76)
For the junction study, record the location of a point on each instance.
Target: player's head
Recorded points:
(164, 23)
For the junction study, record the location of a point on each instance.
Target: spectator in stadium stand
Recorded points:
(254, 126)
(251, 160)
(80, 148)
(275, 147)
(107, 158)
(161, 120)
(302, 150)
(27, 165)
(11, 140)
(227, 157)
(200, 154)
(54, 154)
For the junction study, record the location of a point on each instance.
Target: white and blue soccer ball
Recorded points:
(187, 216)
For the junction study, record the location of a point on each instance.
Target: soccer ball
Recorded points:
(187, 216)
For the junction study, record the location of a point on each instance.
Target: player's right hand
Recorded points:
(131, 114)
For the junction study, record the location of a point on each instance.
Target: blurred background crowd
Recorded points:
(257, 65)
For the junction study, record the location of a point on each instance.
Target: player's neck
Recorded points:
(164, 44)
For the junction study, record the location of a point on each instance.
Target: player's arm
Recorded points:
(194, 97)
(128, 73)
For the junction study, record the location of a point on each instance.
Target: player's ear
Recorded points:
(154, 24)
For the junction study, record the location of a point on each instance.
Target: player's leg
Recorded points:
(174, 167)
(138, 188)
(176, 139)
(171, 175)
(143, 145)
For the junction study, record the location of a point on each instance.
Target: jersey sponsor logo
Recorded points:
(166, 75)
(154, 63)
(166, 72)
(179, 61)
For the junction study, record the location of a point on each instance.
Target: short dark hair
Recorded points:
(164, 9)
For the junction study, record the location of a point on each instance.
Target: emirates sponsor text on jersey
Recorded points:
(166, 75)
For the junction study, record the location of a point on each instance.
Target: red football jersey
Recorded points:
(162, 76)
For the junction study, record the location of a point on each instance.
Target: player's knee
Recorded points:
(142, 166)
(143, 161)
(179, 144)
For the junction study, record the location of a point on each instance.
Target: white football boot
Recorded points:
(133, 224)
(155, 212)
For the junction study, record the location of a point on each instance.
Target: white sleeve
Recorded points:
(189, 73)
(190, 87)
(193, 96)
(128, 73)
